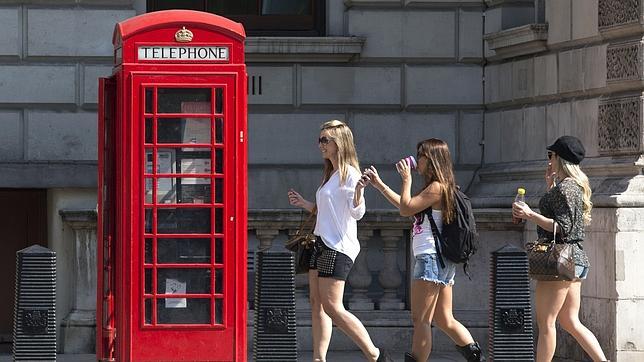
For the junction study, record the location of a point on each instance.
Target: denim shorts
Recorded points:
(428, 268)
(581, 272)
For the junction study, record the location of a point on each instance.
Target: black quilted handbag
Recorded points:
(302, 245)
(550, 261)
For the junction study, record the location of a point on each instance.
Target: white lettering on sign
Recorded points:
(205, 53)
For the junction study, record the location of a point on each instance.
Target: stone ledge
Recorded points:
(303, 49)
(79, 216)
(525, 39)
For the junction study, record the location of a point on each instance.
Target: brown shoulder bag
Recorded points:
(550, 261)
(302, 244)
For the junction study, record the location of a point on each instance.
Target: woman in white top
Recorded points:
(431, 289)
(340, 203)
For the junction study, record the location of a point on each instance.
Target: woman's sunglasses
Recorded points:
(325, 140)
(550, 155)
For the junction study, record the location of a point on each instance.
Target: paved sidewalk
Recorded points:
(339, 356)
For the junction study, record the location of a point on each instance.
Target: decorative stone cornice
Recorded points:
(620, 125)
(525, 39)
(79, 217)
(303, 49)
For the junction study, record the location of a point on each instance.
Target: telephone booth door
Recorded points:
(186, 261)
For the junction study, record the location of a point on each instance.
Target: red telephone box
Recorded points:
(172, 191)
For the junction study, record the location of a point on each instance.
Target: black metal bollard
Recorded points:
(510, 335)
(275, 327)
(34, 316)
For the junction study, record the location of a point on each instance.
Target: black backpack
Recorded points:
(458, 240)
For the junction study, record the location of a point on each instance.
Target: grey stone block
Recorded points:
(10, 136)
(492, 137)
(11, 40)
(534, 133)
(276, 85)
(558, 121)
(585, 124)
(38, 84)
(470, 34)
(545, 75)
(350, 85)
(286, 138)
(61, 136)
(558, 17)
(512, 142)
(444, 85)
(429, 34)
(72, 32)
(493, 20)
(410, 34)
(594, 67)
(492, 83)
(91, 73)
(571, 75)
(470, 135)
(377, 143)
(505, 82)
(523, 78)
(384, 40)
(335, 18)
(585, 21)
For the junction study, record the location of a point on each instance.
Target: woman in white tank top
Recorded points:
(431, 288)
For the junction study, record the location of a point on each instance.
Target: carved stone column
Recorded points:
(79, 327)
(266, 237)
(390, 277)
(360, 277)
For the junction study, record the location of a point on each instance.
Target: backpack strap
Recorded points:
(437, 237)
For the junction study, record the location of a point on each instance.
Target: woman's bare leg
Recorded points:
(549, 298)
(321, 324)
(424, 296)
(444, 319)
(331, 292)
(569, 321)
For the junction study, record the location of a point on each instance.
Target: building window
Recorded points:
(260, 17)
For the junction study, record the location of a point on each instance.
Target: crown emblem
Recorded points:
(183, 35)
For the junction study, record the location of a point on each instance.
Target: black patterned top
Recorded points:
(564, 204)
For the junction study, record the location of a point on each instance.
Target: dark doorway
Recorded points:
(23, 222)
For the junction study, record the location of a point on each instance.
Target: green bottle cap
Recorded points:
(521, 191)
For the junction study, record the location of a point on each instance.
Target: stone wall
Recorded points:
(579, 73)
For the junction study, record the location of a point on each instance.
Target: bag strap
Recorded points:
(554, 231)
(437, 237)
(303, 229)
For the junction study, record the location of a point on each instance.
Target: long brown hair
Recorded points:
(343, 138)
(439, 169)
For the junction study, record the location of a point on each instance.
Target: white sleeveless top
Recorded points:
(422, 236)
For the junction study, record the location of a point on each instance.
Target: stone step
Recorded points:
(391, 330)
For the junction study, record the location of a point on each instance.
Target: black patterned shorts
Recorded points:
(330, 263)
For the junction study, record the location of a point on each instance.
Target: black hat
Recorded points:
(569, 148)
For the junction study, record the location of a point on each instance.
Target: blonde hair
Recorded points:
(574, 172)
(343, 138)
(440, 169)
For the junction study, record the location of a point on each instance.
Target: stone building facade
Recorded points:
(497, 79)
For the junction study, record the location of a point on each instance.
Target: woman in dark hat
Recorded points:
(566, 203)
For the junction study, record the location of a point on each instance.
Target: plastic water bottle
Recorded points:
(520, 198)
